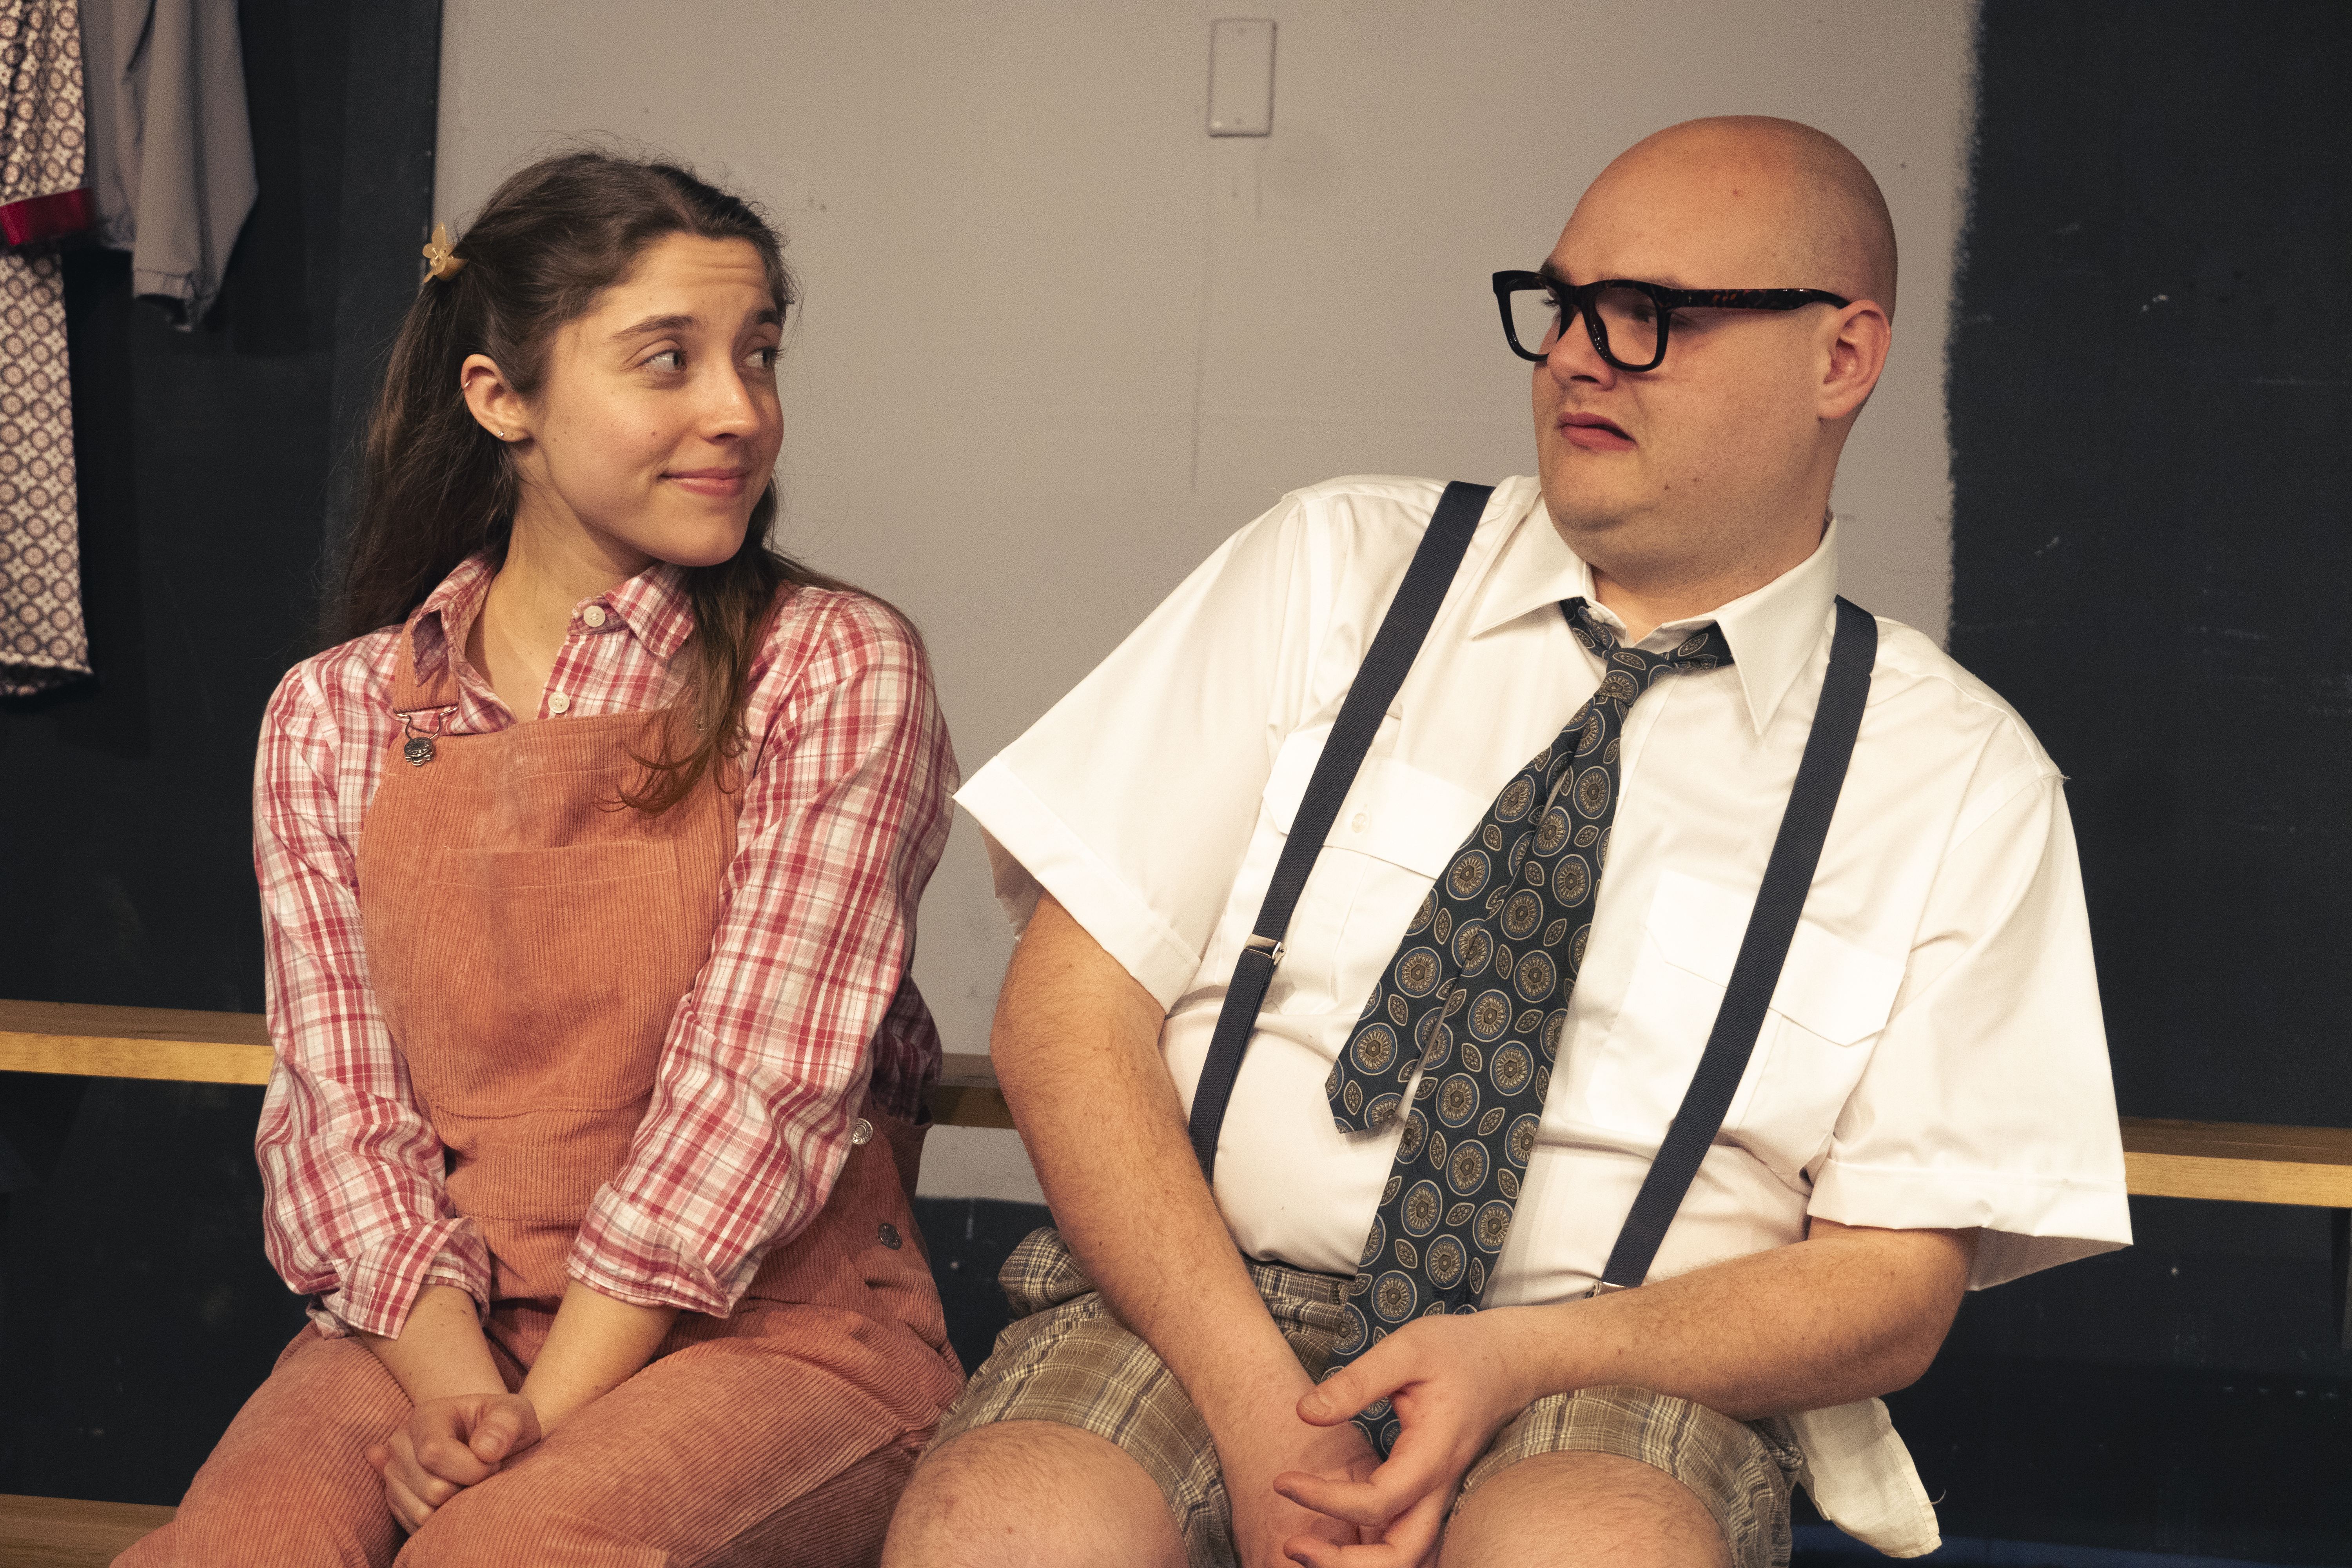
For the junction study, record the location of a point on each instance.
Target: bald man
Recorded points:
(1927, 1108)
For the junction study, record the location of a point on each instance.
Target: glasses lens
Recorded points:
(1631, 321)
(1535, 317)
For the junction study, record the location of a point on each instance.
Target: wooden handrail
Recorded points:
(2232, 1161)
(234, 1047)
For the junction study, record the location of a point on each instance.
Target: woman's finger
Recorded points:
(508, 1426)
(411, 1511)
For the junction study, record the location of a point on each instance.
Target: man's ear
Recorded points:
(1855, 341)
(496, 405)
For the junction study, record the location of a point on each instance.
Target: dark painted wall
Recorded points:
(135, 1308)
(2150, 555)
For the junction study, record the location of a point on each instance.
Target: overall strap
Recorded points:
(1788, 877)
(1393, 649)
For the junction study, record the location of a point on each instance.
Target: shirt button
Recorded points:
(1359, 822)
(861, 1132)
(887, 1234)
(559, 704)
(593, 615)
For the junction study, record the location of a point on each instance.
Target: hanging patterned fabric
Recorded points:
(42, 642)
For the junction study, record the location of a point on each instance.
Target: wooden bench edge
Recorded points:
(2227, 1161)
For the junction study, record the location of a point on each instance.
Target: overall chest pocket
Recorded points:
(1832, 1001)
(559, 970)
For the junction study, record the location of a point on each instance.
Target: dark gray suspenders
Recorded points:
(1796, 851)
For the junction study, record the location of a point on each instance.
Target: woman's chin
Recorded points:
(692, 547)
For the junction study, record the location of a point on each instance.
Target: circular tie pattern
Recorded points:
(1496, 946)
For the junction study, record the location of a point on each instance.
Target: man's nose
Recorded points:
(1573, 357)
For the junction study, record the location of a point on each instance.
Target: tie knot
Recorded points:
(1705, 648)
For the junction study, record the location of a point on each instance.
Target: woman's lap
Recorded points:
(290, 1482)
(706, 1455)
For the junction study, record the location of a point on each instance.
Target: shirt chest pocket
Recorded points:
(1832, 1001)
(1396, 830)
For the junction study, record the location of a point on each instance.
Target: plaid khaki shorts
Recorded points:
(1067, 1359)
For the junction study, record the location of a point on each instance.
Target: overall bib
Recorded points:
(529, 938)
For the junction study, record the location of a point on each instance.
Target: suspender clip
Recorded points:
(1270, 946)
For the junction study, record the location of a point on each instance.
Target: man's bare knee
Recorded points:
(1560, 1510)
(1030, 1492)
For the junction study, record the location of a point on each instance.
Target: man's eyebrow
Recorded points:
(1551, 274)
(769, 316)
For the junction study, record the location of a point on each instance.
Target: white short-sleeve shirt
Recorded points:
(1934, 1055)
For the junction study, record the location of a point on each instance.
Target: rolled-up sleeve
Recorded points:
(355, 1215)
(842, 819)
(1987, 1101)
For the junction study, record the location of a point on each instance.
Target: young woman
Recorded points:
(589, 865)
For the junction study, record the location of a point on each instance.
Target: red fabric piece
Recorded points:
(48, 217)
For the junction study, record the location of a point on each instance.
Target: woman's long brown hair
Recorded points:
(440, 487)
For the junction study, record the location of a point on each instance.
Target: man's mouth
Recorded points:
(1593, 433)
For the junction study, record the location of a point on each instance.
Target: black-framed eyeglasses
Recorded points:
(1626, 319)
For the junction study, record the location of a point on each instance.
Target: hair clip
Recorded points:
(440, 258)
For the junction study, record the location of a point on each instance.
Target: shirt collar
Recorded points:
(1772, 631)
(441, 622)
(654, 605)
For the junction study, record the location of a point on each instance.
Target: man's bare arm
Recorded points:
(1076, 1042)
(1846, 1314)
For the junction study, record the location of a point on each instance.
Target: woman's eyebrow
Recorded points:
(656, 325)
(767, 316)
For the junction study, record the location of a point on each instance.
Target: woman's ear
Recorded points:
(1858, 341)
(496, 407)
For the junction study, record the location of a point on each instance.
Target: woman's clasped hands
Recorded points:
(447, 1444)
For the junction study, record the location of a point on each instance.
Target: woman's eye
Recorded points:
(764, 358)
(669, 359)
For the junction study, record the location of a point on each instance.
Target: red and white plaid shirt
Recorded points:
(842, 821)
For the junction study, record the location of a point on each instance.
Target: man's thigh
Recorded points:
(1069, 1362)
(1621, 1474)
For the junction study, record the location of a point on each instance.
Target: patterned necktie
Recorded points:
(1474, 1000)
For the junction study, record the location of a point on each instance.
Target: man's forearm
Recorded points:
(1075, 1044)
(1845, 1315)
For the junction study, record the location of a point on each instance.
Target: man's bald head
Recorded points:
(1796, 191)
(1707, 476)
